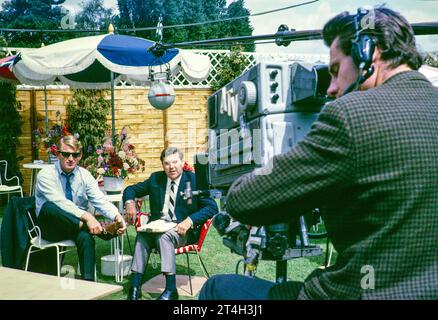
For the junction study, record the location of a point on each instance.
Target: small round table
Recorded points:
(35, 167)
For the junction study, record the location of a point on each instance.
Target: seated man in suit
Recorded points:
(163, 188)
(62, 194)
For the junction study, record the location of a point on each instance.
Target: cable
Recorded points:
(48, 30)
(164, 27)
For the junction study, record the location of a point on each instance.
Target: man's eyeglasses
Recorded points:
(68, 154)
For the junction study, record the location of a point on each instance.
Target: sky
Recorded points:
(313, 16)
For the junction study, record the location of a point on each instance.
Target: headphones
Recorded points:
(363, 46)
(362, 50)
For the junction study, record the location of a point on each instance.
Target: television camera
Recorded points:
(264, 112)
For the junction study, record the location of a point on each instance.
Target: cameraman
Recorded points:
(371, 159)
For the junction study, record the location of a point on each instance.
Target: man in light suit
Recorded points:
(163, 188)
(62, 197)
(371, 159)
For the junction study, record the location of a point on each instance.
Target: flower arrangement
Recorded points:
(55, 133)
(114, 161)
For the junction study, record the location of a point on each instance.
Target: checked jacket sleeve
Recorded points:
(320, 166)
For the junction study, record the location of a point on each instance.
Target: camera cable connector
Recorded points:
(255, 243)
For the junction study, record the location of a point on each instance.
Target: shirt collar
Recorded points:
(58, 168)
(177, 180)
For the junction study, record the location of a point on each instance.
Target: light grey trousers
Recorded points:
(165, 243)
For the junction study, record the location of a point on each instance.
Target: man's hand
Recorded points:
(121, 230)
(182, 227)
(93, 225)
(131, 212)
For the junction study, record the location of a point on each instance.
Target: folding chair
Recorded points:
(196, 249)
(8, 189)
(37, 243)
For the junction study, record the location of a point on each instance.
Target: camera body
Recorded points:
(264, 112)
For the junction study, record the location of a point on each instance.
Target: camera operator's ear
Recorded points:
(377, 55)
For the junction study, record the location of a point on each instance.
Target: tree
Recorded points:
(10, 130)
(86, 115)
(230, 67)
(145, 13)
(239, 27)
(93, 15)
(31, 14)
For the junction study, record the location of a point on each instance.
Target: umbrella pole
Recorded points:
(113, 111)
(47, 110)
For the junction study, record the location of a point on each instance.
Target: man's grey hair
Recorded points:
(169, 151)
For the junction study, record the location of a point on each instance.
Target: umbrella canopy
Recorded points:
(5, 69)
(99, 62)
(87, 62)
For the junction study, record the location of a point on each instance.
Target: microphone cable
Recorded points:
(361, 78)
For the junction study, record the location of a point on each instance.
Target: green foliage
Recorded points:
(145, 13)
(10, 130)
(230, 67)
(239, 27)
(31, 14)
(47, 14)
(94, 16)
(432, 59)
(87, 111)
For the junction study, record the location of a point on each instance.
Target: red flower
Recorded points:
(186, 167)
(53, 149)
(65, 131)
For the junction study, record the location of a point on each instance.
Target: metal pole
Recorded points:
(423, 28)
(113, 111)
(47, 110)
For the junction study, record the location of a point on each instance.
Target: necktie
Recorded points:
(172, 200)
(68, 192)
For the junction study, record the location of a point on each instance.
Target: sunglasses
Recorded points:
(68, 154)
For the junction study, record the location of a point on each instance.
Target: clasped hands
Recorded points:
(95, 227)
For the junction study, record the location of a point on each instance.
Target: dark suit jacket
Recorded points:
(15, 239)
(372, 160)
(14, 236)
(199, 211)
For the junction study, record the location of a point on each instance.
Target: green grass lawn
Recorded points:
(217, 257)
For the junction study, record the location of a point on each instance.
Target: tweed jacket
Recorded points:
(199, 211)
(371, 160)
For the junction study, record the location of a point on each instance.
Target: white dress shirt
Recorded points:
(50, 186)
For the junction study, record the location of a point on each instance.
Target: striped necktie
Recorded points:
(172, 199)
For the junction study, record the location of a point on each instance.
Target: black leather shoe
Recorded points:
(168, 295)
(134, 293)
